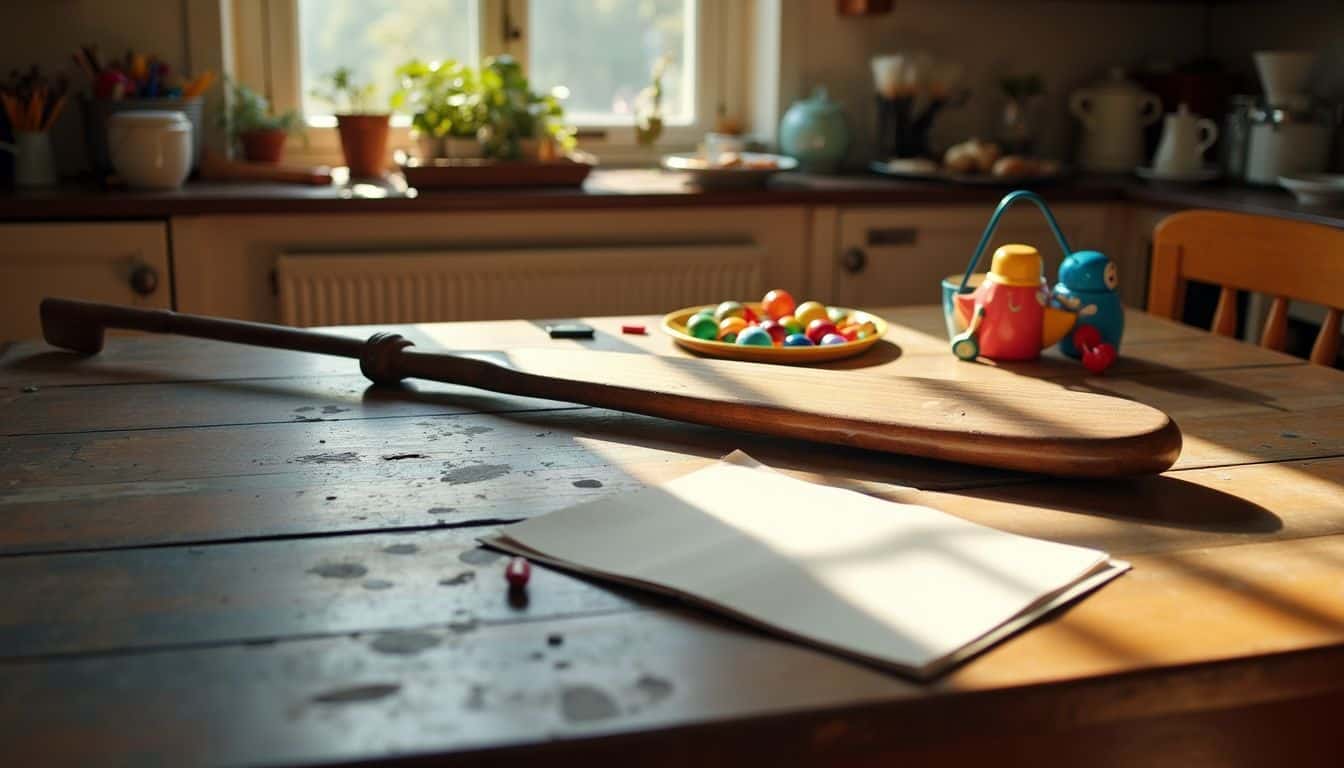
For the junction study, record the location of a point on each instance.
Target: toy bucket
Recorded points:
(965, 282)
(951, 285)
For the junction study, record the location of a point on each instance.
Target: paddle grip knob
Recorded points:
(380, 358)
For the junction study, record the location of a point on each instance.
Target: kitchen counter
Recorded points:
(618, 188)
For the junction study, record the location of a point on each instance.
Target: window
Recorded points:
(603, 52)
(374, 37)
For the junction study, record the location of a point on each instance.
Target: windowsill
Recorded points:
(322, 147)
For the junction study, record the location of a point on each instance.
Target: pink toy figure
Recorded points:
(1007, 316)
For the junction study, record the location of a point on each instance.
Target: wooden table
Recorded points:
(224, 555)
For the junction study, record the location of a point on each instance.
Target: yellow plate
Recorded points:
(674, 325)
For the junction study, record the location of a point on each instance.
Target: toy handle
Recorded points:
(1004, 204)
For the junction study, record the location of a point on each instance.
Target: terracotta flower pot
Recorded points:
(263, 146)
(364, 143)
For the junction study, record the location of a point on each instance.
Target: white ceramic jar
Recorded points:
(1114, 114)
(150, 149)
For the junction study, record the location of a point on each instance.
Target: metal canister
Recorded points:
(1283, 142)
(1235, 139)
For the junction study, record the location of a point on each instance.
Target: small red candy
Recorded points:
(518, 572)
(1099, 357)
(817, 330)
(634, 329)
(777, 332)
(1086, 336)
(749, 316)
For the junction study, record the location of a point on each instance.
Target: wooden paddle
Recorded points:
(1023, 425)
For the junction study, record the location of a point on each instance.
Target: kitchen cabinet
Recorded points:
(119, 263)
(320, 269)
(894, 256)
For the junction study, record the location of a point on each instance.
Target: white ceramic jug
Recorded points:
(1114, 113)
(1184, 139)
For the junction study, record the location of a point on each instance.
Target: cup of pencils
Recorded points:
(31, 106)
(136, 82)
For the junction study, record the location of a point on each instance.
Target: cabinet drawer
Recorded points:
(123, 263)
(888, 257)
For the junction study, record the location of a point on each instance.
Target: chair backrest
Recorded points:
(1237, 251)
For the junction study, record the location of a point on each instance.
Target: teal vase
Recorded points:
(815, 133)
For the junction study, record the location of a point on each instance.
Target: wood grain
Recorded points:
(209, 595)
(1002, 426)
(204, 507)
(513, 686)
(182, 596)
(161, 484)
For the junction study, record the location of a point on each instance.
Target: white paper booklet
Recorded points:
(899, 585)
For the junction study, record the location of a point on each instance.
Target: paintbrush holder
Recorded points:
(904, 123)
(34, 161)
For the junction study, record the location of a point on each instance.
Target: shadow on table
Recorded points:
(1153, 500)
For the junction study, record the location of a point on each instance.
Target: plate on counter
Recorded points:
(936, 173)
(752, 170)
(1315, 188)
(674, 325)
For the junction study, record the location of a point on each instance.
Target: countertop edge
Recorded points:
(91, 204)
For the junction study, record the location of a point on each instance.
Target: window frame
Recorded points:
(265, 50)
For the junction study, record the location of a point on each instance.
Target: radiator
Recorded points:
(415, 287)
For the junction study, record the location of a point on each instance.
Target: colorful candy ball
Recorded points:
(730, 326)
(728, 309)
(703, 327)
(791, 324)
(832, 338)
(778, 303)
(819, 328)
(777, 332)
(797, 340)
(809, 311)
(754, 336)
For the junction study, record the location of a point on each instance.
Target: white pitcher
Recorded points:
(1114, 114)
(1184, 139)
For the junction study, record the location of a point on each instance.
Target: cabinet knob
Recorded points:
(854, 260)
(144, 280)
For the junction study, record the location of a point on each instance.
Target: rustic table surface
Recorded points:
(222, 555)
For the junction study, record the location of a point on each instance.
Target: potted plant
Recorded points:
(363, 131)
(448, 112)
(517, 122)
(250, 123)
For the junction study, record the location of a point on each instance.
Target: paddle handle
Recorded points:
(80, 326)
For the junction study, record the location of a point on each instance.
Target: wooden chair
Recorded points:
(1284, 259)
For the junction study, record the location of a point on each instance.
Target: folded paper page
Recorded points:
(904, 586)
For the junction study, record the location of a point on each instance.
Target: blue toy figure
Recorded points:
(1087, 283)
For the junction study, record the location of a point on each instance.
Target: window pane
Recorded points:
(604, 52)
(374, 37)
